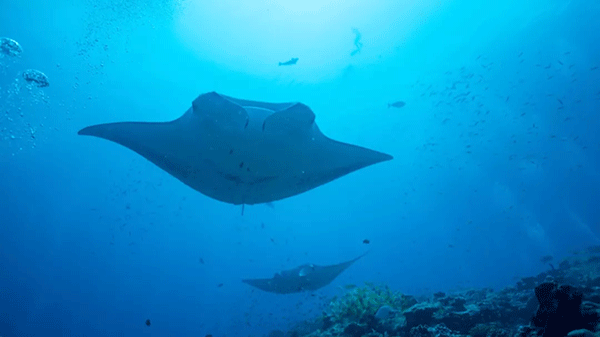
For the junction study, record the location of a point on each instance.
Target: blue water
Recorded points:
(94, 239)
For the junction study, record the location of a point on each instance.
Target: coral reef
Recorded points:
(563, 301)
(361, 303)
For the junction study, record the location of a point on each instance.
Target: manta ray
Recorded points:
(241, 152)
(302, 278)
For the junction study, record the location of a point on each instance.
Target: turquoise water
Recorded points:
(496, 154)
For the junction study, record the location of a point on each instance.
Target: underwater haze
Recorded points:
(491, 110)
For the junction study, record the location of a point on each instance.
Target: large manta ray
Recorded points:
(301, 278)
(241, 152)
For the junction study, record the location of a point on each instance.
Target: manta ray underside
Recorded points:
(302, 278)
(242, 152)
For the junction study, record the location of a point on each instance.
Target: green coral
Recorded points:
(361, 303)
(488, 330)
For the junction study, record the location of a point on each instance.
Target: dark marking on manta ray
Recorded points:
(216, 120)
(237, 180)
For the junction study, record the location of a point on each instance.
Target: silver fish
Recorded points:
(398, 104)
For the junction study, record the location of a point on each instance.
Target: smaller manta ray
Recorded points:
(302, 278)
(292, 61)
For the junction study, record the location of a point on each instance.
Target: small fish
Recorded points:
(546, 258)
(398, 104)
(201, 260)
(366, 241)
(148, 322)
(560, 62)
(292, 61)
(593, 68)
(384, 313)
(219, 285)
(559, 101)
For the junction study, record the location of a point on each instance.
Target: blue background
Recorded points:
(94, 239)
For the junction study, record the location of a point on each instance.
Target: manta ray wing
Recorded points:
(323, 275)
